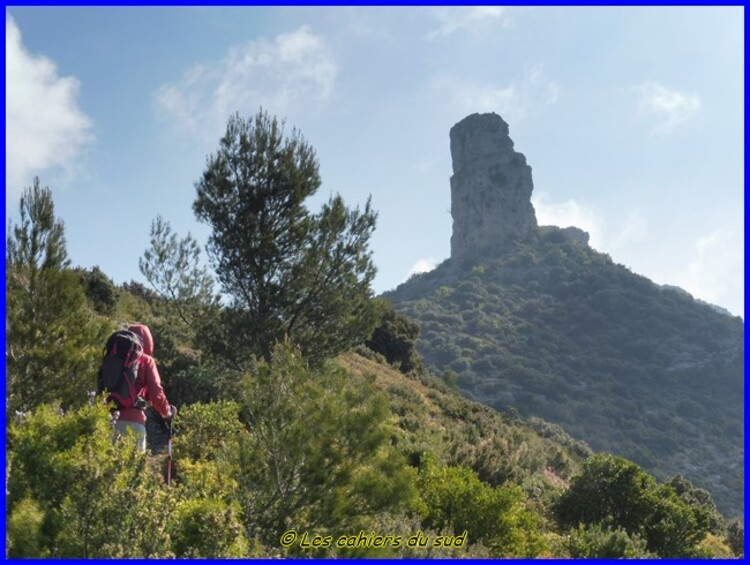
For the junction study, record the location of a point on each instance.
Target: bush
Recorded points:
(598, 541)
(714, 547)
(208, 431)
(736, 537)
(616, 493)
(74, 492)
(81, 479)
(207, 528)
(25, 530)
(101, 292)
(395, 338)
(319, 453)
(454, 499)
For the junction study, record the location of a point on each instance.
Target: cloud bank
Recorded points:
(667, 109)
(295, 71)
(516, 101)
(711, 275)
(569, 213)
(462, 19)
(45, 128)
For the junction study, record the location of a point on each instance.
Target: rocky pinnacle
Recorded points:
(490, 187)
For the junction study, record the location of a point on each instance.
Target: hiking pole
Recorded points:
(170, 433)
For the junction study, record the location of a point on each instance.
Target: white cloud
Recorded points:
(455, 19)
(667, 108)
(569, 213)
(292, 72)
(715, 273)
(515, 101)
(422, 266)
(605, 235)
(45, 128)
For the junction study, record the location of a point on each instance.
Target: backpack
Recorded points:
(119, 370)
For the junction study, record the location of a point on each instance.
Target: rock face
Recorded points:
(490, 187)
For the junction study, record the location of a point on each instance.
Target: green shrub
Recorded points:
(617, 493)
(319, 453)
(714, 547)
(100, 290)
(82, 480)
(207, 528)
(207, 431)
(736, 537)
(454, 499)
(24, 534)
(599, 541)
(395, 338)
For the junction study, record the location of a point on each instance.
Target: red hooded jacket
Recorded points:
(148, 382)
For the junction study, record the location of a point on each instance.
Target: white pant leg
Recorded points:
(122, 427)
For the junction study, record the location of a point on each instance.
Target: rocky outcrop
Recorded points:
(490, 187)
(576, 235)
(571, 233)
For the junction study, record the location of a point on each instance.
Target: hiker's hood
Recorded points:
(145, 334)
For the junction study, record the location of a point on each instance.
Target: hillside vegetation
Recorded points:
(557, 330)
(345, 452)
(308, 425)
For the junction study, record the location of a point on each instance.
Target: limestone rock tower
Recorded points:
(490, 187)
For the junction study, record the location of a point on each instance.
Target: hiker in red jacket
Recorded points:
(149, 386)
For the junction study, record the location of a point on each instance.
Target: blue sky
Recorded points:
(632, 119)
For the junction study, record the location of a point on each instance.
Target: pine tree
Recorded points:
(184, 313)
(53, 340)
(319, 455)
(288, 272)
(172, 267)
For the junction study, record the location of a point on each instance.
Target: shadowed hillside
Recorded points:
(557, 330)
(532, 318)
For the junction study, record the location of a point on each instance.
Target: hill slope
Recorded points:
(499, 447)
(557, 330)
